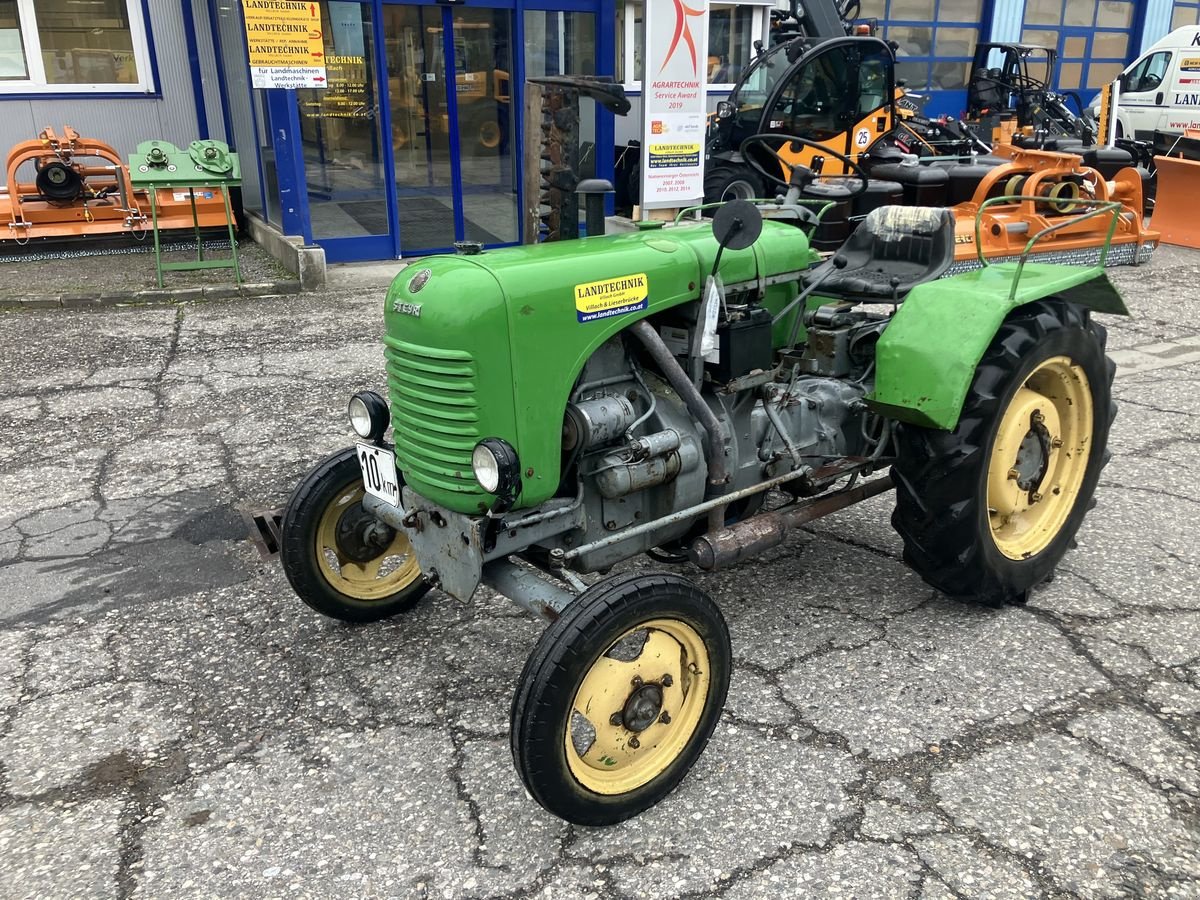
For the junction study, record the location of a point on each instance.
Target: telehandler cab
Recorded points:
(695, 393)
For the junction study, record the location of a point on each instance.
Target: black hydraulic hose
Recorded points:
(718, 470)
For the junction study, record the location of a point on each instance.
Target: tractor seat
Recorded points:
(891, 252)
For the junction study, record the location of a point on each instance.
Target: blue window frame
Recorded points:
(1183, 14)
(935, 43)
(1093, 40)
(293, 186)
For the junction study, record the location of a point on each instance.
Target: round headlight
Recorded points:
(368, 415)
(487, 468)
(497, 470)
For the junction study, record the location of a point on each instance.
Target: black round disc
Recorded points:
(737, 224)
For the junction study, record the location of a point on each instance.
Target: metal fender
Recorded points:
(926, 358)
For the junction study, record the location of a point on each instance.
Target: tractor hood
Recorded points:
(490, 345)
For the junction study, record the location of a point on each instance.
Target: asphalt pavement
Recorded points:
(174, 723)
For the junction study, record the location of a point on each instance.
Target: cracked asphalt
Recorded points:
(175, 723)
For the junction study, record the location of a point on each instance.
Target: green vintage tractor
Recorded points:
(694, 393)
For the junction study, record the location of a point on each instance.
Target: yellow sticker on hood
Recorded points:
(611, 297)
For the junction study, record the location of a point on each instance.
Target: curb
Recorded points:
(151, 296)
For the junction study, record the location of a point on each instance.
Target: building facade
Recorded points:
(415, 141)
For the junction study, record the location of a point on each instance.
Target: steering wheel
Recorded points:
(765, 138)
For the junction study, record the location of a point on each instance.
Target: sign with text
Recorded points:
(673, 103)
(285, 43)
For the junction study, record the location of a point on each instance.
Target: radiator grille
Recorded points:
(435, 414)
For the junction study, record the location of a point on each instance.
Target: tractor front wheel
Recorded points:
(989, 509)
(620, 697)
(341, 560)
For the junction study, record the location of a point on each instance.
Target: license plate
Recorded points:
(379, 473)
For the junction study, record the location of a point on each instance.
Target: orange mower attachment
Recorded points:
(81, 187)
(1049, 189)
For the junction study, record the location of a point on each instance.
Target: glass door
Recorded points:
(452, 126)
(344, 157)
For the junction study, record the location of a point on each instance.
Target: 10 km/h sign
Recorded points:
(286, 46)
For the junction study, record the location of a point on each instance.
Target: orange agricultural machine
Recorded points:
(1048, 189)
(81, 187)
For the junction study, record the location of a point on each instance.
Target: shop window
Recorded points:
(733, 28)
(936, 40)
(1183, 14)
(1092, 39)
(69, 46)
(564, 43)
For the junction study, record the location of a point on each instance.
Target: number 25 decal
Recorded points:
(862, 137)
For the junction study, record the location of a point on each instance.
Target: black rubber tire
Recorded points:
(723, 177)
(564, 654)
(941, 476)
(298, 533)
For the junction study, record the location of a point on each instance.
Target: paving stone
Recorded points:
(61, 851)
(1142, 741)
(1099, 830)
(853, 871)
(353, 814)
(940, 670)
(974, 873)
(85, 728)
(748, 796)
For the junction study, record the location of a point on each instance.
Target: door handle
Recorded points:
(1158, 99)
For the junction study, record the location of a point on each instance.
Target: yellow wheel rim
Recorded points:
(1039, 458)
(392, 570)
(666, 683)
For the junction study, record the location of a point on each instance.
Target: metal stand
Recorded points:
(200, 262)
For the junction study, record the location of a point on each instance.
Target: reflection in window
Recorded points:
(730, 42)
(733, 28)
(1043, 12)
(1087, 59)
(935, 40)
(12, 50)
(1114, 15)
(86, 44)
(564, 43)
(1183, 14)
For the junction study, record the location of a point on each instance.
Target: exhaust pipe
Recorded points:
(719, 549)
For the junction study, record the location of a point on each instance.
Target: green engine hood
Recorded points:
(490, 345)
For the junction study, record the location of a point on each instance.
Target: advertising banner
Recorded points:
(285, 43)
(673, 103)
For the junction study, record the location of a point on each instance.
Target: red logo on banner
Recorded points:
(683, 29)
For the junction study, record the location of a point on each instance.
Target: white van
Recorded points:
(1160, 91)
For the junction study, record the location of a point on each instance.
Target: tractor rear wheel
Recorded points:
(340, 559)
(620, 697)
(989, 509)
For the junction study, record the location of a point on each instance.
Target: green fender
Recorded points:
(927, 356)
